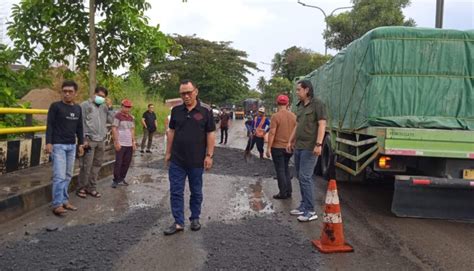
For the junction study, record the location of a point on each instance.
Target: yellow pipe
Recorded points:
(6, 110)
(19, 130)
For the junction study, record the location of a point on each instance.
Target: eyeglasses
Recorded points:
(187, 93)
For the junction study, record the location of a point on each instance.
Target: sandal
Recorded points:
(81, 193)
(59, 211)
(95, 194)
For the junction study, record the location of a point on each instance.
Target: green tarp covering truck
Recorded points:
(400, 101)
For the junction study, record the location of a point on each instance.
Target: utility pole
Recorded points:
(92, 48)
(439, 13)
(325, 19)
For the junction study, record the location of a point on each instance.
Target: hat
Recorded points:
(282, 100)
(261, 109)
(127, 103)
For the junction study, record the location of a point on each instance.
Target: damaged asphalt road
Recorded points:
(244, 228)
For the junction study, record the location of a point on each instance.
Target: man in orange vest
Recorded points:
(260, 126)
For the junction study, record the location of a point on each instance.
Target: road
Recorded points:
(243, 226)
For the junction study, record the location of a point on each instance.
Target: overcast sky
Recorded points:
(265, 27)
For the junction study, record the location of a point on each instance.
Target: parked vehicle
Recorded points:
(400, 101)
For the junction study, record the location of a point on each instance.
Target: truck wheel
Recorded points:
(326, 157)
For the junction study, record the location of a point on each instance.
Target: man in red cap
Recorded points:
(281, 126)
(123, 131)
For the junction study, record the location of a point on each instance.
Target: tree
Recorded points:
(219, 70)
(296, 61)
(275, 87)
(366, 15)
(51, 31)
(261, 84)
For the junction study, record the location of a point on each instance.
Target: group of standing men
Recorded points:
(300, 135)
(86, 123)
(190, 147)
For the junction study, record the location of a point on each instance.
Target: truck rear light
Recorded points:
(384, 162)
(421, 181)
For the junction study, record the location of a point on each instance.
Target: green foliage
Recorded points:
(133, 88)
(9, 81)
(60, 29)
(275, 87)
(296, 61)
(219, 70)
(366, 15)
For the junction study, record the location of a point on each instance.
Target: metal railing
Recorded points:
(28, 120)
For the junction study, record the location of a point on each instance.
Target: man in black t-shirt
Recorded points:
(64, 126)
(149, 127)
(190, 151)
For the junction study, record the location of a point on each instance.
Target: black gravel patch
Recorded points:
(229, 161)
(257, 244)
(84, 247)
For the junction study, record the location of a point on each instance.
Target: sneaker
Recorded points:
(296, 212)
(114, 184)
(307, 216)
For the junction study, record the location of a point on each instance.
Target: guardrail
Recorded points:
(28, 120)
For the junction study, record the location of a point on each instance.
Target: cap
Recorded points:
(261, 109)
(282, 100)
(127, 103)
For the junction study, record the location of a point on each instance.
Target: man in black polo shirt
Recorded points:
(190, 150)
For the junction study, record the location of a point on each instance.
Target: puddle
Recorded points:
(257, 201)
(249, 201)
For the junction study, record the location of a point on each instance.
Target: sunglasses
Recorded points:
(187, 93)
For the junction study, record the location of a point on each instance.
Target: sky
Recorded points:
(265, 27)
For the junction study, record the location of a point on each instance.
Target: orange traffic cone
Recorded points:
(332, 235)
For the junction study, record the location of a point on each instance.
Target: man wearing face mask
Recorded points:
(97, 112)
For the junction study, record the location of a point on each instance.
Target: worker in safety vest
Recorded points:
(260, 127)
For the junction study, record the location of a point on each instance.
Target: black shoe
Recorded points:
(142, 151)
(288, 196)
(124, 183)
(261, 156)
(148, 151)
(278, 196)
(175, 228)
(220, 142)
(195, 225)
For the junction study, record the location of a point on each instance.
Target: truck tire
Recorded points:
(326, 156)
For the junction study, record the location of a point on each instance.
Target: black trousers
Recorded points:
(253, 140)
(281, 160)
(224, 134)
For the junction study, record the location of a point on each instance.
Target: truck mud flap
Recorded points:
(427, 197)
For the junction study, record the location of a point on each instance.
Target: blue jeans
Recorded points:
(63, 164)
(305, 161)
(177, 175)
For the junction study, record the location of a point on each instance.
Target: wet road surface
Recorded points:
(243, 226)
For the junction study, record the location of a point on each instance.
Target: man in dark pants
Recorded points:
(123, 131)
(225, 123)
(190, 149)
(281, 126)
(149, 128)
(260, 127)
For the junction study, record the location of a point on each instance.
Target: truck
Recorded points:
(400, 103)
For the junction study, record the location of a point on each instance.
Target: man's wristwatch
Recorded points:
(210, 155)
(318, 144)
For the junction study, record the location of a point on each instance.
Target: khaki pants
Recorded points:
(90, 164)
